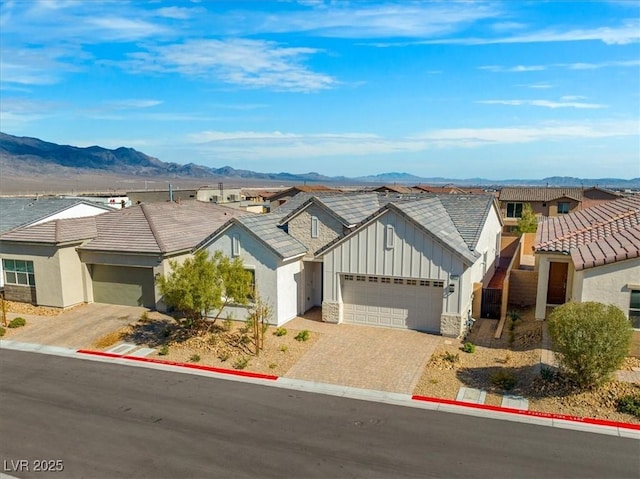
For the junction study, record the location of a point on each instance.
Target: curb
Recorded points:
(200, 367)
(522, 412)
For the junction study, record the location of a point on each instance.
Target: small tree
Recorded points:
(592, 338)
(204, 285)
(528, 222)
(258, 322)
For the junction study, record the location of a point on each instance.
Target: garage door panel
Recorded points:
(392, 305)
(127, 286)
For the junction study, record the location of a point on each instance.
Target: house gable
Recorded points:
(315, 226)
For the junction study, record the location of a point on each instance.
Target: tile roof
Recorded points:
(56, 231)
(265, 228)
(15, 212)
(395, 188)
(156, 228)
(602, 234)
(539, 194)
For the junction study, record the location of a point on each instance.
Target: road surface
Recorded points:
(112, 421)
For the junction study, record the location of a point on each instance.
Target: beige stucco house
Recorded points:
(591, 255)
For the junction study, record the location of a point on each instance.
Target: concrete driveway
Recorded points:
(76, 328)
(366, 357)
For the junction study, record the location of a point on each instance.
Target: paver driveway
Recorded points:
(366, 357)
(76, 328)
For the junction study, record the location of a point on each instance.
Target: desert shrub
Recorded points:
(195, 358)
(503, 379)
(547, 374)
(223, 356)
(228, 324)
(280, 332)
(513, 315)
(629, 404)
(592, 338)
(17, 322)
(241, 363)
(302, 335)
(144, 317)
(164, 350)
(272, 365)
(166, 332)
(450, 357)
(469, 347)
(284, 348)
(2, 331)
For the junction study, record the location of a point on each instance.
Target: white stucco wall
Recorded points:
(608, 283)
(543, 262)
(77, 211)
(255, 255)
(289, 282)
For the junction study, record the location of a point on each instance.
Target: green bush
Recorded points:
(450, 357)
(547, 374)
(469, 347)
(228, 324)
(241, 363)
(284, 348)
(592, 340)
(2, 331)
(280, 332)
(17, 322)
(503, 379)
(629, 404)
(302, 335)
(513, 315)
(223, 356)
(195, 358)
(164, 350)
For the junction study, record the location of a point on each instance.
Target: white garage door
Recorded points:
(393, 302)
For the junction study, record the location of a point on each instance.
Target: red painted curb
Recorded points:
(199, 367)
(545, 415)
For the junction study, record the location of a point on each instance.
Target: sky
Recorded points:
(455, 89)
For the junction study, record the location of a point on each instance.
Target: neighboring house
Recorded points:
(219, 194)
(111, 258)
(18, 211)
(281, 197)
(549, 202)
(160, 196)
(591, 255)
(444, 190)
(395, 189)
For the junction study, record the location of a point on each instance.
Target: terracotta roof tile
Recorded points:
(594, 236)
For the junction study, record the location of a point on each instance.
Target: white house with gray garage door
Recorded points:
(412, 264)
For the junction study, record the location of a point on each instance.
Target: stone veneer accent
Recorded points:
(331, 312)
(329, 228)
(451, 325)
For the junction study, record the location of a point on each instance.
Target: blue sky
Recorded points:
(513, 89)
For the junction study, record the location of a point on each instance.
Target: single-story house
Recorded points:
(22, 211)
(281, 197)
(549, 202)
(591, 255)
(111, 258)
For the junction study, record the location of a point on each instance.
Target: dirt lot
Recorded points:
(220, 348)
(513, 367)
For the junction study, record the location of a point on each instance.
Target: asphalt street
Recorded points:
(113, 421)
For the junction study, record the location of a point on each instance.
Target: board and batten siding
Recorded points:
(415, 254)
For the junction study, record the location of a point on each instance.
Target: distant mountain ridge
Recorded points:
(26, 155)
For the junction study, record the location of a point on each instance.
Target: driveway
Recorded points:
(76, 328)
(366, 357)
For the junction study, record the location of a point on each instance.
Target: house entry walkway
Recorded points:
(366, 357)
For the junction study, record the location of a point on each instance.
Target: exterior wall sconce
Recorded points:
(452, 288)
(454, 278)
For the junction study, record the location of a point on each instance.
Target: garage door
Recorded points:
(393, 302)
(123, 285)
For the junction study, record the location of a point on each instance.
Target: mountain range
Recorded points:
(28, 156)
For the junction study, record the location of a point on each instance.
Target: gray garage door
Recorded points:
(393, 302)
(123, 285)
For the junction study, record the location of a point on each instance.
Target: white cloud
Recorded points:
(538, 86)
(132, 104)
(272, 66)
(177, 13)
(123, 29)
(545, 103)
(517, 68)
(594, 66)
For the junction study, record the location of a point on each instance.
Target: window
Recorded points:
(389, 236)
(398, 281)
(412, 282)
(373, 279)
(634, 309)
(235, 245)
(20, 272)
(252, 273)
(314, 226)
(563, 208)
(438, 284)
(361, 278)
(385, 280)
(514, 210)
(424, 282)
(348, 277)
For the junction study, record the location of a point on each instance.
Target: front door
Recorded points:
(557, 290)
